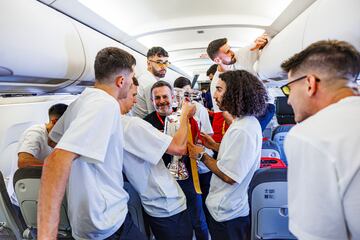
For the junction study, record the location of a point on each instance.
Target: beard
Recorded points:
(232, 61)
(218, 104)
(163, 109)
(159, 74)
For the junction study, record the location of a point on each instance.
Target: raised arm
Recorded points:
(55, 175)
(178, 143)
(260, 42)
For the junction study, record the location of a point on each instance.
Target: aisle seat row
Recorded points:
(267, 198)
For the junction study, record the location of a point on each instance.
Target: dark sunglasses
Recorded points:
(286, 89)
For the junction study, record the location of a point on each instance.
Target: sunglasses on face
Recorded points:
(286, 88)
(159, 63)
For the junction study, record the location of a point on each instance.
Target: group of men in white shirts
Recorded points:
(97, 141)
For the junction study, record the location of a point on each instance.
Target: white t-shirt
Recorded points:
(34, 141)
(144, 146)
(238, 158)
(91, 127)
(245, 60)
(144, 104)
(324, 173)
(204, 124)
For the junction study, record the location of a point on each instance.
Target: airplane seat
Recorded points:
(268, 204)
(270, 149)
(11, 226)
(271, 156)
(278, 136)
(9, 147)
(135, 206)
(285, 118)
(27, 186)
(284, 112)
(267, 132)
(271, 162)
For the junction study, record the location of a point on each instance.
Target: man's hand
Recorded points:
(260, 42)
(188, 109)
(194, 150)
(209, 142)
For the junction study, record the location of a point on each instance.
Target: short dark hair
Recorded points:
(135, 81)
(112, 60)
(160, 84)
(245, 95)
(337, 58)
(181, 82)
(157, 51)
(214, 46)
(212, 70)
(57, 110)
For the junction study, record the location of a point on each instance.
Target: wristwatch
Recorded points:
(201, 156)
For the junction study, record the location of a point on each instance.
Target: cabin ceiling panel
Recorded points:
(174, 24)
(142, 16)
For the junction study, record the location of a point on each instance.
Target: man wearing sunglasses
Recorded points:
(323, 148)
(157, 64)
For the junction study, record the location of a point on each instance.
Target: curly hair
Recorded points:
(245, 95)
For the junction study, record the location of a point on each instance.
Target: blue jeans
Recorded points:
(176, 227)
(234, 229)
(195, 208)
(205, 186)
(128, 231)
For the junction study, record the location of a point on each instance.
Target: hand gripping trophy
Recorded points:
(172, 123)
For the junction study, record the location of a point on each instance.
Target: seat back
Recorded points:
(268, 162)
(27, 186)
(265, 119)
(284, 112)
(278, 137)
(270, 149)
(268, 201)
(11, 226)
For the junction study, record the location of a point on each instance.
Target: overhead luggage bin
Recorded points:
(281, 47)
(323, 20)
(332, 19)
(93, 41)
(40, 47)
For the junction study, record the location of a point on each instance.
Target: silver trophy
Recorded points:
(172, 123)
